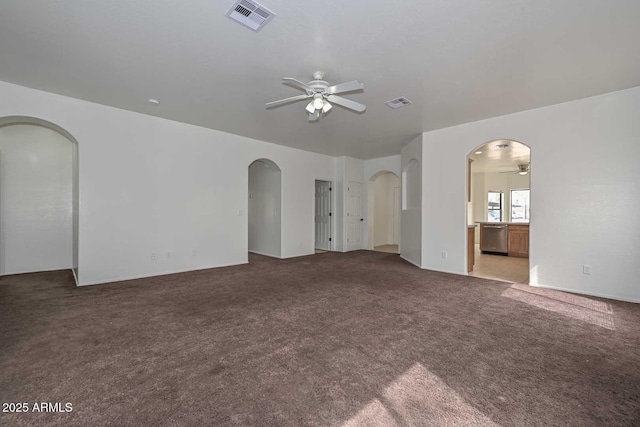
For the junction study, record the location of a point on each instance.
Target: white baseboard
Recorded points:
(75, 276)
(36, 271)
(592, 294)
(410, 262)
(265, 254)
(164, 273)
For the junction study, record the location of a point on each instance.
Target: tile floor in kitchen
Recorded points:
(499, 267)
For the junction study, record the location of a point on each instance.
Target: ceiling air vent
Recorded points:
(250, 14)
(398, 102)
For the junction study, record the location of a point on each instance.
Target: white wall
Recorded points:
(372, 168)
(383, 209)
(149, 185)
(264, 208)
(383, 164)
(411, 230)
(584, 186)
(36, 169)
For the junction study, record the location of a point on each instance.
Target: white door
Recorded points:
(396, 215)
(323, 215)
(355, 219)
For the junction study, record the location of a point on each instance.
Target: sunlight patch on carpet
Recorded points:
(419, 397)
(588, 310)
(374, 415)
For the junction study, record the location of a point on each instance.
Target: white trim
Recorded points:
(266, 254)
(75, 277)
(592, 294)
(166, 273)
(411, 262)
(36, 271)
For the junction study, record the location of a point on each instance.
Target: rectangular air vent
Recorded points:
(250, 14)
(398, 102)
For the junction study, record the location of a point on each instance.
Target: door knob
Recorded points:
(361, 219)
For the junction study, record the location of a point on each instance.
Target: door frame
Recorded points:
(331, 215)
(360, 218)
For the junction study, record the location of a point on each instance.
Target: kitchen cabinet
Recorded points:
(519, 240)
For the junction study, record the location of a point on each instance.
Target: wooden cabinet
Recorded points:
(471, 247)
(519, 240)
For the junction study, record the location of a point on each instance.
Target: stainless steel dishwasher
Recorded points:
(494, 238)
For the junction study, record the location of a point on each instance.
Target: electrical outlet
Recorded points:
(154, 256)
(444, 254)
(195, 252)
(586, 269)
(169, 253)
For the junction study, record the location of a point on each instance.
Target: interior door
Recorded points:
(323, 215)
(355, 219)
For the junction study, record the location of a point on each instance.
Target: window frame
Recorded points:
(500, 209)
(527, 206)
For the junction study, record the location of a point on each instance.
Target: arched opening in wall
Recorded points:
(499, 210)
(384, 212)
(265, 208)
(39, 197)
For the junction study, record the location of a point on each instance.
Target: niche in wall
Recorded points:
(411, 185)
(384, 209)
(265, 208)
(38, 199)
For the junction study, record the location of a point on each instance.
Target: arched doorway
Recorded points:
(384, 212)
(265, 208)
(499, 210)
(39, 197)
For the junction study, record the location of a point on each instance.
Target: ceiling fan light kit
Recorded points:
(523, 169)
(322, 95)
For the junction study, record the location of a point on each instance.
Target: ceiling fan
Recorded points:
(322, 95)
(523, 169)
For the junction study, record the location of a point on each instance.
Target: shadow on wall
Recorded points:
(383, 209)
(60, 206)
(264, 214)
(411, 213)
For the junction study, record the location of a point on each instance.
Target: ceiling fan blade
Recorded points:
(287, 100)
(345, 87)
(314, 116)
(347, 103)
(297, 83)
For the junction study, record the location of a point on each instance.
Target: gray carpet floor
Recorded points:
(356, 339)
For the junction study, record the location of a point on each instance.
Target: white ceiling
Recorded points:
(500, 156)
(458, 61)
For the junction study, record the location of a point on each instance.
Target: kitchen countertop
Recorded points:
(502, 223)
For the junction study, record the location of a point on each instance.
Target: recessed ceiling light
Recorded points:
(154, 101)
(478, 152)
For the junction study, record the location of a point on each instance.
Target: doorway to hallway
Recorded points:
(384, 212)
